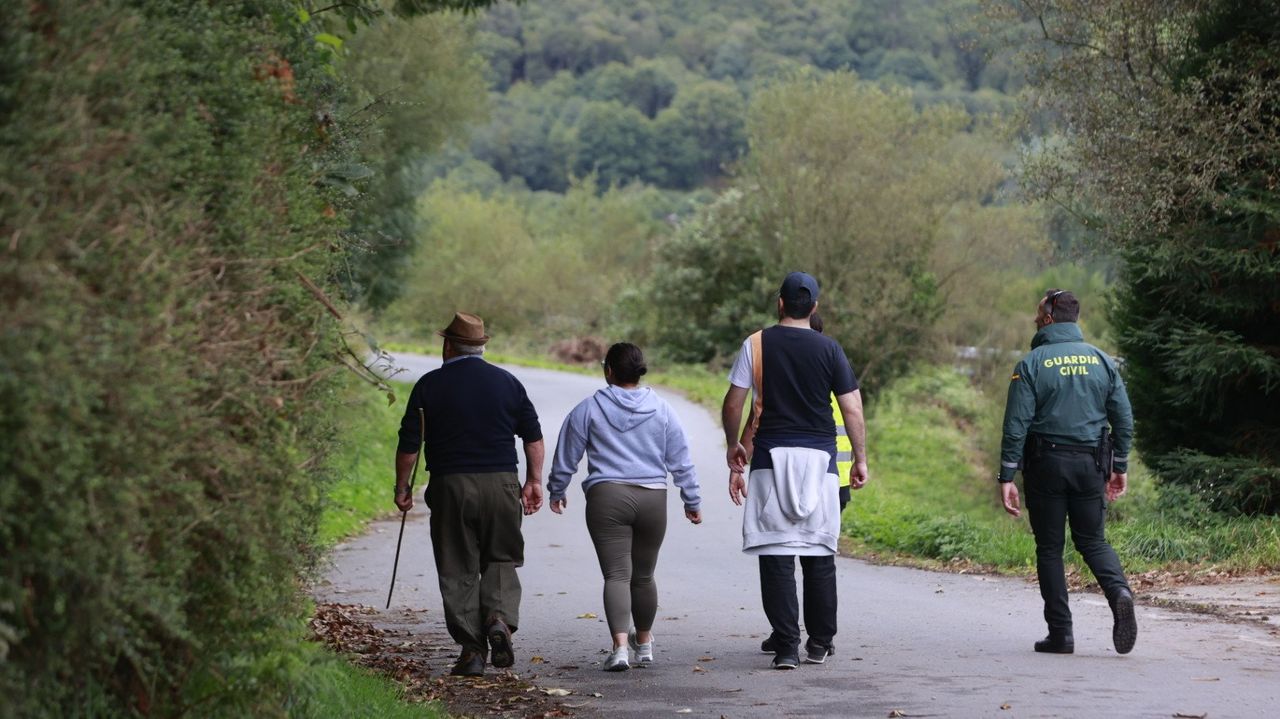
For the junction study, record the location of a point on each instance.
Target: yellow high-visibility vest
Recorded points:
(844, 448)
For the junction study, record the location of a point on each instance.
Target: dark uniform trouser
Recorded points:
(1067, 485)
(476, 539)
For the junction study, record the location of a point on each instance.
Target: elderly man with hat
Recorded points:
(472, 412)
(793, 508)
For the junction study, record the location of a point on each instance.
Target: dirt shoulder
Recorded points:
(420, 664)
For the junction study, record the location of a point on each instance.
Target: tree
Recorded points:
(1171, 119)
(645, 86)
(854, 184)
(701, 134)
(415, 83)
(615, 142)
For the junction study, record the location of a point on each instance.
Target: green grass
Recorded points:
(332, 688)
(364, 464)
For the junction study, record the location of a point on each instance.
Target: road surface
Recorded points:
(915, 642)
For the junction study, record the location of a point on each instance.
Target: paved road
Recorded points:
(922, 643)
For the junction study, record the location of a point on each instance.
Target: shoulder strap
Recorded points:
(757, 378)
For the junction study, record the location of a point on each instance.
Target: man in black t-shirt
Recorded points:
(791, 511)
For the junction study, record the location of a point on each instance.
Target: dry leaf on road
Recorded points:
(556, 692)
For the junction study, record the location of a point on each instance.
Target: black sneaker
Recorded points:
(1125, 631)
(500, 653)
(770, 645)
(786, 660)
(815, 653)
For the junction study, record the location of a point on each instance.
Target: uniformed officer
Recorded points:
(1061, 398)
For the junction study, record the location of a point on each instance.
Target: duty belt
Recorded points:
(1082, 448)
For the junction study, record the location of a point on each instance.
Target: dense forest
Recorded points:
(613, 128)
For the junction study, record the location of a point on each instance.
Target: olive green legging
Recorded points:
(627, 523)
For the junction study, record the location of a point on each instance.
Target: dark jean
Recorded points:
(778, 590)
(1064, 487)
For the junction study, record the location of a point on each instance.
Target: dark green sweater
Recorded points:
(1066, 390)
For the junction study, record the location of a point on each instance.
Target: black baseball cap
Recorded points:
(796, 284)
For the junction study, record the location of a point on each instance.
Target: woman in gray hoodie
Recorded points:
(632, 440)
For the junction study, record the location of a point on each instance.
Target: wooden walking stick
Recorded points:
(422, 439)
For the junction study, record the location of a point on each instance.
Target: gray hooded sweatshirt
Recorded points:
(628, 435)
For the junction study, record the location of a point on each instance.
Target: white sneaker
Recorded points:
(618, 661)
(644, 652)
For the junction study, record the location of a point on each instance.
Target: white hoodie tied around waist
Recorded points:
(793, 508)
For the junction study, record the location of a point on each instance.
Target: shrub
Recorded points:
(161, 365)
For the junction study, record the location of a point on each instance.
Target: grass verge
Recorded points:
(931, 499)
(333, 688)
(364, 464)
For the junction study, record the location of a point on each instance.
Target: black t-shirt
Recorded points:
(802, 369)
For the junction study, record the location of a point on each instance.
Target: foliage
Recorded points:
(548, 266)
(689, 68)
(1172, 149)
(361, 465)
(833, 163)
(414, 84)
(173, 182)
(711, 272)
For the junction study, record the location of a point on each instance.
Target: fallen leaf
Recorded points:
(697, 668)
(537, 660)
(707, 659)
(895, 713)
(556, 692)
(588, 615)
(1180, 715)
(597, 695)
(1006, 706)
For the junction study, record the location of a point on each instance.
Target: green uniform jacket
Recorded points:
(1066, 390)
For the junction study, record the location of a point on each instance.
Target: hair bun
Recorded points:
(643, 370)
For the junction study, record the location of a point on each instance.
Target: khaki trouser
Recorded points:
(476, 539)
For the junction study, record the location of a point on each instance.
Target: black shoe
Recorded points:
(470, 664)
(500, 654)
(815, 653)
(1057, 644)
(770, 645)
(1125, 631)
(786, 660)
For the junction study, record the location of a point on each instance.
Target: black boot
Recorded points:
(1124, 633)
(1057, 644)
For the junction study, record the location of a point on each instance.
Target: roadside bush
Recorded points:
(163, 371)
